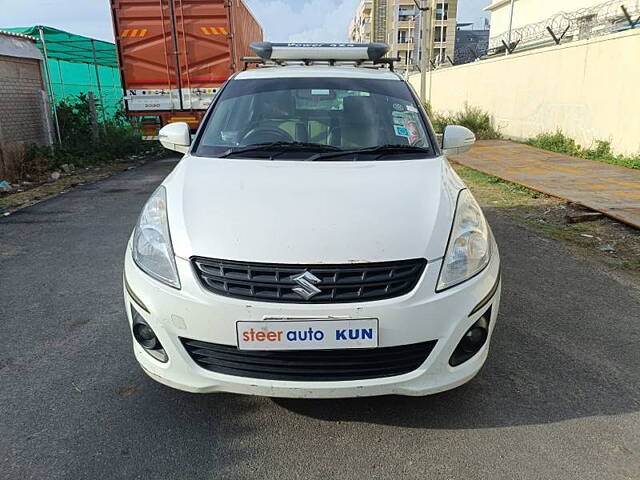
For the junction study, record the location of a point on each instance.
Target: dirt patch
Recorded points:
(34, 193)
(127, 390)
(602, 239)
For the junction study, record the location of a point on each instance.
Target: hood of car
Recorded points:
(311, 212)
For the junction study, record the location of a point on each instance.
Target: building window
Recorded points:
(441, 33)
(442, 11)
(406, 15)
(402, 36)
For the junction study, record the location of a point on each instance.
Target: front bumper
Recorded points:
(419, 316)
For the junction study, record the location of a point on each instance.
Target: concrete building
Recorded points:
(24, 110)
(398, 23)
(470, 44)
(370, 22)
(443, 22)
(360, 27)
(403, 20)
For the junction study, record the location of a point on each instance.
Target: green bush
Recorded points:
(601, 151)
(429, 109)
(116, 137)
(556, 142)
(475, 119)
(116, 140)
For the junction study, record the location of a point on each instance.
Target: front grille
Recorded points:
(309, 365)
(356, 282)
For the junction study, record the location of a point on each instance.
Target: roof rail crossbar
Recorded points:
(251, 61)
(387, 61)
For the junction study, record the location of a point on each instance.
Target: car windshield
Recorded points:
(315, 119)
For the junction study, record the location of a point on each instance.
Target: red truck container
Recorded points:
(175, 54)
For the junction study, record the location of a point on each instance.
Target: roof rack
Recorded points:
(358, 54)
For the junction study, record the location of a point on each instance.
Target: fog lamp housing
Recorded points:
(472, 341)
(146, 337)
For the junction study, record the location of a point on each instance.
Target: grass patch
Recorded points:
(475, 119)
(601, 152)
(496, 191)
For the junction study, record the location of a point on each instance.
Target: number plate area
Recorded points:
(312, 334)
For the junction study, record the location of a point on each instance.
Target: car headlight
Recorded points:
(469, 249)
(152, 250)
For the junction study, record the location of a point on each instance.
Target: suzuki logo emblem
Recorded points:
(307, 288)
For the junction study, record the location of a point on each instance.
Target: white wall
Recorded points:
(588, 89)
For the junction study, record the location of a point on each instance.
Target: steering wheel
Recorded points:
(265, 135)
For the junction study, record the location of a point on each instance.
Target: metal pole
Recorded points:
(49, 85)
(431, 42)
(415, 42)
(95, 134)
(425, 45)
(406, 63)
(95, 65)
(442, 26)
(410, 50)
(395, 41)
(510, 26)
(374, 6)
(61, 79)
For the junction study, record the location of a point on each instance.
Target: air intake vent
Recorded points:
(309, 365)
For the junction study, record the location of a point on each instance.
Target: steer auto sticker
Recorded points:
(317, 334)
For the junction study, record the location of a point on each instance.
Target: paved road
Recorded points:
(558, 399)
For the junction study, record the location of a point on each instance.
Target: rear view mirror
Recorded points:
(318, 94)
(175, 136)
(457, 139)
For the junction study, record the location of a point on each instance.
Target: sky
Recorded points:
(282, 20)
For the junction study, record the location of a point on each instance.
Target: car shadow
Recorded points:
(563, 348)
(527, 386)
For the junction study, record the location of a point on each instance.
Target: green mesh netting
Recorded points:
(76, 63)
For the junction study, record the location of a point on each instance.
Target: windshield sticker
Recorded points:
(320, 92)
(398, 107)
(413, 133)
(411, 108)
(398, 117)
(401, 131)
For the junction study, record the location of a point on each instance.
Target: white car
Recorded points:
(313, 241)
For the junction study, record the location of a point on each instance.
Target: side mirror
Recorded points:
(175, 136)
(457, 139)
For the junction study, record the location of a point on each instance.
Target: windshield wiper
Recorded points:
(382, 150)
(288, 146)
